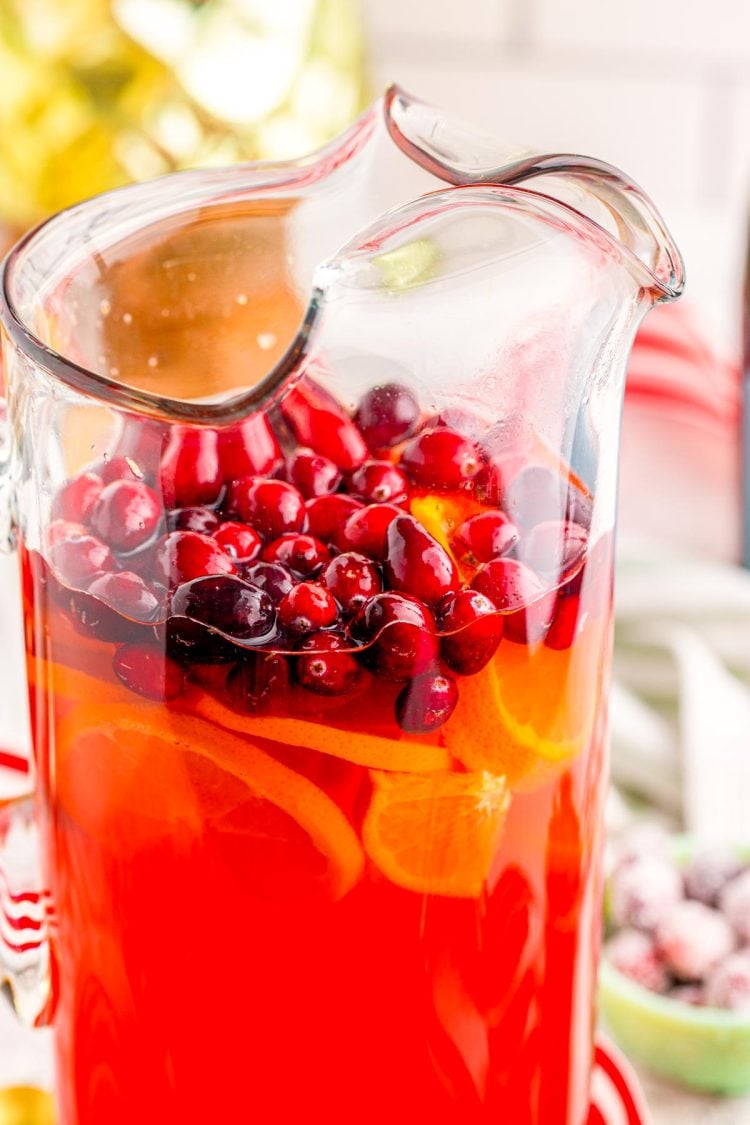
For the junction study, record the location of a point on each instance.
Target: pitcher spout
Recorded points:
(612, 202)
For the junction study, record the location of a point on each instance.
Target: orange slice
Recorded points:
(531, 706)
(137, 774)
(70, 683)
(437, 833)
(359, 747)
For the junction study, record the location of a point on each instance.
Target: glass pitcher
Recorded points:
(315, 531)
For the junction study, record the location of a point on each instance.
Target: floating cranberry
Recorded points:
(127, 514)
(426, 702)
(258, 681)
(248, 449)
(200, 519)
(593, 579)
(535, 495)
(78, 560)
(473, 629)
(386, 415)
(318, 421)
(64, 529)
(352, 579)
(566, 623)
(127, 594)
(146, 670)
(326, 515)
(555, 548)
(76, 499)
(190, 472)
(495, 477)
(325, 669)
(366, 530)
(229, 604)
(239, 541)
(415, 563)
(516, 590)
(401, 633)
(579, 508)
(119, 468)
(313, 474)
(306, 608)
(272, 507)
(441, 458)
(184, 555)
(488, 535)
(304, 554)
(379, 482)
(273, 578)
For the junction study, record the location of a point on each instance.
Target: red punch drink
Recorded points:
(324, 745)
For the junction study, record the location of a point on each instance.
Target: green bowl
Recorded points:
(707, 1049)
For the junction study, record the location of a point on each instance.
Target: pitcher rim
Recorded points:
(229, 410)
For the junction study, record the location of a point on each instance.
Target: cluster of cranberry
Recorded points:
(235, 553)
(684, 932)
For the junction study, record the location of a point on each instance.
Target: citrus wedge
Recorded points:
(435, 833)
(359, 747)
(529, 706)
(71, 684)
(137, 775)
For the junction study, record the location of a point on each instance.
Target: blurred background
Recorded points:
(95, 93)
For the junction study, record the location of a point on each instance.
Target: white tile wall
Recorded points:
(660, 87)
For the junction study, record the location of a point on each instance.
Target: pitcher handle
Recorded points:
(24, 938)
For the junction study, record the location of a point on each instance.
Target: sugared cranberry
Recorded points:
(735, 903)
(709, 872)
(240, 542)
(313, 474)
(78, 560)
(200, 519)
(318, 422)
(146, 670)
(183, 555)
(352, 579)
(441, 458)
(366, 530)
(728, 986)
(326, 515)
(76, 499)
(120, 468)
(693, 994)
(693, 939)
(273, 578)
(516, 590)
(379, 482)
(304, 554)
(190, 472)
(127, 514)
(227, 603)
(306, 608)
(641, 890)
(472, 629)
(536, 494)
(386, 415)
(272, 507)
(127, 594)
(555, 548)
(324, 668)
(415, 563)
(488, 535)
(426, 702)
(257, 681)
(567, 622)
(64, 529)
(248, 449)
(401, 633)
(634, 954)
